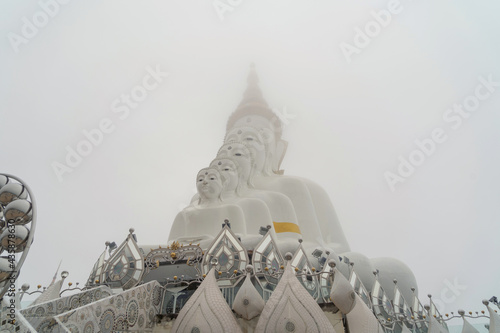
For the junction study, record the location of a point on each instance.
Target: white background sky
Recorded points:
(352, 123)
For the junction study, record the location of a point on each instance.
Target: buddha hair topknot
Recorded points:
(256, 109)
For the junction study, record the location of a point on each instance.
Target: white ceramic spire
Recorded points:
(292, 309)
(494, 320)
(468, 328)
(206, 311)
(342, 293)
(248, 303)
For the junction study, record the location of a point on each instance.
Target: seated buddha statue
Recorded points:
(260, 128)
(257, 125)
(280, 207)
(293, 188)
(200, 222)
(256, 212)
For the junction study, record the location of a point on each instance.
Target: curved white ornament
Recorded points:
(468, 328)
(342, 294)
(292, 309)
(206, 311)
(248, 303)
(494, 321)
(435, 326)
(361, 319)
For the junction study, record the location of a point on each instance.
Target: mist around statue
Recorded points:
(245, 186)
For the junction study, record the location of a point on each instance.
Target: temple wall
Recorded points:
(248, 326)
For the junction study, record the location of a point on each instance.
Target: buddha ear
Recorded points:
(224, 181)
(281, 147)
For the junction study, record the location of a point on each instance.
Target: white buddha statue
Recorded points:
(256, 212)
(255, 124)
(293, 188)
(202, 221)
(279, 205)
(261, 130)
(246, 186)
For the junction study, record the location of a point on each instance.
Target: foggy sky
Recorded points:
(349, 123)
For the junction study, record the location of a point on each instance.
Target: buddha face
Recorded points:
(253, 141)
(239, 153)
(267, 131)
(209, 184)
(229, 170)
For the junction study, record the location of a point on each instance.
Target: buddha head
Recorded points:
(269, 127)
(209, 184)
(254, 141)
(253, 111)
(239, 153)
(228, 168)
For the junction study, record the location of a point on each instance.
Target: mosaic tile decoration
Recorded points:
(41, 316)
(20, 325)
(134, 309)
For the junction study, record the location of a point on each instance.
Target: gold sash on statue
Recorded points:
(286, 227)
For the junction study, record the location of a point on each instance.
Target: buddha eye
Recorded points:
(200, 180)
(237, 154)
(212, 178)
(226, 169)
(249, 139)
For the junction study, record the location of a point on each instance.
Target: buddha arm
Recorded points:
(178, 228)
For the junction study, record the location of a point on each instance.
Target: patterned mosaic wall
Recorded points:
(42, 315)
(134, 309)
(66, 303)
(21, 325)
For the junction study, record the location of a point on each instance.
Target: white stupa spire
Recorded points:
(292, 309)
(206, 311)
(248, 303)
